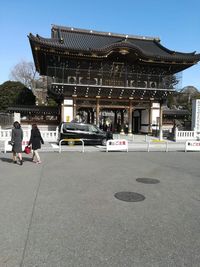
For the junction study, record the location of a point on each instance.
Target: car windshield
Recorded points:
(82, 127)
(69, 126)
(93, 128)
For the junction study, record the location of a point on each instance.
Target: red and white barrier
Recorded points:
(192, 146)
(117, 145)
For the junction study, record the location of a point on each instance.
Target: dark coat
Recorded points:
(36, 139)
(16, 138)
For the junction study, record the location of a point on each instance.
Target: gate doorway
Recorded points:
(136, 121)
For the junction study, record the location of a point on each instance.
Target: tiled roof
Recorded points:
(34, 109)
(176, 111)
(85, 41)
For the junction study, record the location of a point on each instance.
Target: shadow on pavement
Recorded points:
(10, 160)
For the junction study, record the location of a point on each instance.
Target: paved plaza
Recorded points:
(140, 143)
(64, 212)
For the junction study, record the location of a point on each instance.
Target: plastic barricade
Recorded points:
(117, 145)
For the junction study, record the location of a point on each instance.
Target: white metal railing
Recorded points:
(71, 140)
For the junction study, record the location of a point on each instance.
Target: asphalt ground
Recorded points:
(64, 213)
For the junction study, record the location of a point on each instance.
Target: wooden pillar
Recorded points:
(92, 116)
(97, 112)
(122, 117)
(122, 121)
(115, 120)
(62, 112)
(130, 117)
(160, 123)
(150, 118)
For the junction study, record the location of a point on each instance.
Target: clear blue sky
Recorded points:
(175, 22)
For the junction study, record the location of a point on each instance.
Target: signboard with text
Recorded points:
(117, 145)
(192, 146)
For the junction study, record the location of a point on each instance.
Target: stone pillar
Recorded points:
(74, 108)
(130, 118)
(17, 117)
(150, 118)
(160, 123)
(62, 112)
(67, 110)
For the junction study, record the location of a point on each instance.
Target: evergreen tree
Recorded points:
(15, 93)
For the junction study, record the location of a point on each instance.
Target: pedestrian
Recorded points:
(16, 142)
(126, 128)
(35, 141)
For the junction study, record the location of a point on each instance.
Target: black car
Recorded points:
(89, 133)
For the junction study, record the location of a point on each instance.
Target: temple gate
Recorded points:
(93, 74)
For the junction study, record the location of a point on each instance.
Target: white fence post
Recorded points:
(57, 133)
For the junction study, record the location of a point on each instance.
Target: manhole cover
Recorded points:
(147, 180)
(129, 196)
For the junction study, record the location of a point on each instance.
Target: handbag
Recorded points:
(27, 149)
(11, 143)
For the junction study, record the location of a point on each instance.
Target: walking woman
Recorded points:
(36, 141)
(16, 140)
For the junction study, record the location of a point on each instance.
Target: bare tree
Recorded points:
(25, 73)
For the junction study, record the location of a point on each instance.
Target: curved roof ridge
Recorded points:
(121, 44)
(110, 34)
(38, 37)
(173, 51)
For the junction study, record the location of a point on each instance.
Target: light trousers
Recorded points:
(36, 154)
